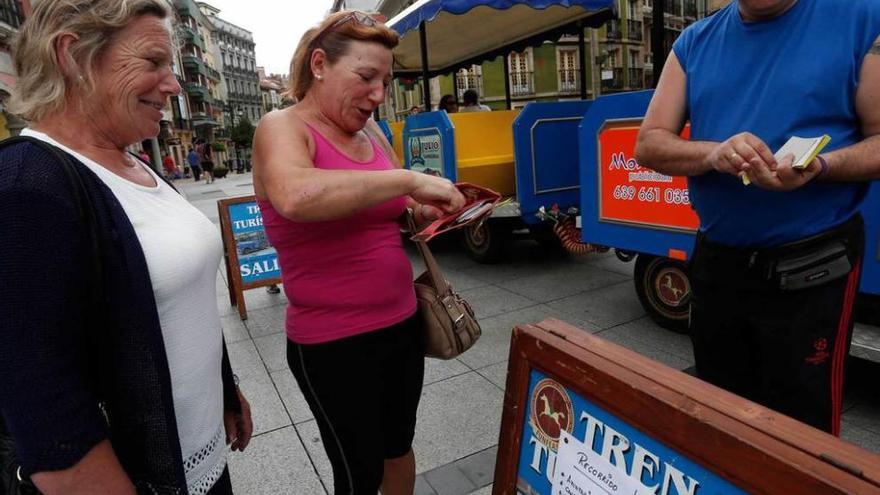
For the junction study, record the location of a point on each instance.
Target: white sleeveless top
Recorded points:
(183, 251)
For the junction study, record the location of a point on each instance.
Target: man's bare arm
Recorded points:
(861, 161)
(659, 145)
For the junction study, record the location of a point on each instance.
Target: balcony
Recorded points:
(615, 82)
(612, 30)
(191, 36)
(634, 30)
(195, 64)
(198, 92)
(636, 77)
(522, 83)
(11, 13)
(569, 81)
(212, 73)
(202, 118)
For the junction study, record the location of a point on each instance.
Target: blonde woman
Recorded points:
(136, 395)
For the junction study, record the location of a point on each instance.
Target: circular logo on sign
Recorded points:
(552, 412)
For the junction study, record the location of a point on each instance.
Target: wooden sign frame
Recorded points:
(752, 447)
(236, 284)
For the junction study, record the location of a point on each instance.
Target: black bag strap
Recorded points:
(85, 211)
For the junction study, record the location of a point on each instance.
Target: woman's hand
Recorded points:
(437, 195)
(239, 427)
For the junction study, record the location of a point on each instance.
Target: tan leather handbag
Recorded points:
(450, 326)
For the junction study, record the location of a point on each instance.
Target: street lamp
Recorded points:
(239, 167)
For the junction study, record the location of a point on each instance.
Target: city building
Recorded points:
(271, 87)
(12, 15)
(239, 66)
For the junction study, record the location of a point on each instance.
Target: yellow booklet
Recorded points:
(803, 149)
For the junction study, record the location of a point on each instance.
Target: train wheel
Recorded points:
(484, 242)
(664, 289)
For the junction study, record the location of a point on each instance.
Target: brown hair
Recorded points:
(334, 35)
(42, 87)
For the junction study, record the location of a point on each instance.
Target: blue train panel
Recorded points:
(871, 268)
(386, 130)
(429, 144)
(545, 137)
(652, 238)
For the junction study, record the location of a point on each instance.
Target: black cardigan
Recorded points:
(49, 394)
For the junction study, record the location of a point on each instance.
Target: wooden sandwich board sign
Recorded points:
(251, 261)
(583, 416)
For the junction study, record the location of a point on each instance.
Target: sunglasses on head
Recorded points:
(353, 16)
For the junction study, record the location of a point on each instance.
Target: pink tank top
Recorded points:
(343, 277)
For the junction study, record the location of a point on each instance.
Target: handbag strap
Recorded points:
(431, 265)
(84, 208)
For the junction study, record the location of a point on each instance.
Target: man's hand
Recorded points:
(740, 152)
(785, 177)
(239, 427)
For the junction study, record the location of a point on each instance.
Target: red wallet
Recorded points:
(480, 202)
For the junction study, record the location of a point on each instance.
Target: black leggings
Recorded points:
(364, 392)
(223, 486)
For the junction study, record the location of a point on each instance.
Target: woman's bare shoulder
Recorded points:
(283, 120)
(283, 127)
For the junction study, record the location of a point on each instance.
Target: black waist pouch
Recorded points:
(820, 259)
(821, 264)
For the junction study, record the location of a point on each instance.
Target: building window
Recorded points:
(521, 75)
(469, 79)
(569, 76)
(632, 10)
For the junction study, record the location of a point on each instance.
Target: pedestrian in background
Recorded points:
(169, 166)
(471, 103)
(760, 328)
(331, 198)
(193, 159)
(206, 160)
(448, 103)
(130, 391)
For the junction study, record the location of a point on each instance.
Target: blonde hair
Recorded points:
(42, 87)
(334, 35)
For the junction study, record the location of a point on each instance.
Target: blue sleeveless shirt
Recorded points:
(795, 74)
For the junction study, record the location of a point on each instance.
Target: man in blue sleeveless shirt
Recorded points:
(776, 266)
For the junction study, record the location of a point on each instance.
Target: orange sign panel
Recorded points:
(630, 193)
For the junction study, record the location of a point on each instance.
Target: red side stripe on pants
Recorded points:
(839, 358)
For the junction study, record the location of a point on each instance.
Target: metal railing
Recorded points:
(569, 81)
(615, 82)
(636, 77)
(612, 30)
(11, 12)
(634, 30)
(522, 83)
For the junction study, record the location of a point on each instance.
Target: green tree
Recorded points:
(243, 133)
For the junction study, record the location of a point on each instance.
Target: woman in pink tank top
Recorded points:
(331, 198)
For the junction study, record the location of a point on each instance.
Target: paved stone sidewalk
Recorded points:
(460, 411)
